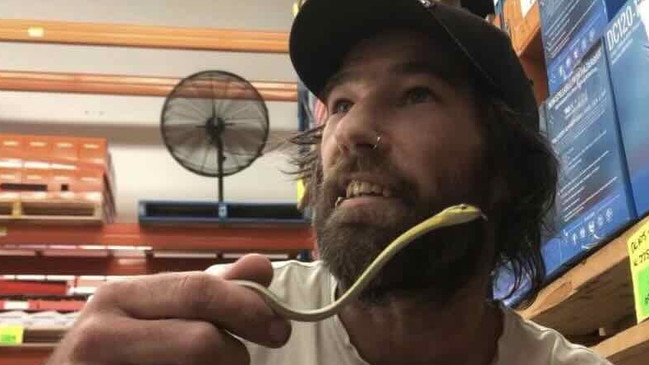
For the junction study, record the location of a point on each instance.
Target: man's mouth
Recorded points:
(359, 188)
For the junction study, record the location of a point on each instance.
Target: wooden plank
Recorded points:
(594, 294)
(526, 35)
(630, 347)
(53, 210)
(124, 35)
(121, 84)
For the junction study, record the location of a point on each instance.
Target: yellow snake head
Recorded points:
(458, 214)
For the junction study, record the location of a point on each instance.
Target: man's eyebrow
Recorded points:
(338, 79)
(444, 72)
(438, 70)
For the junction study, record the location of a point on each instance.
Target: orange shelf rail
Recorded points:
(124, 35)
(81, 83)
(271, 238)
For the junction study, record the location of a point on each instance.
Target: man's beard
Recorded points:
(432, 268)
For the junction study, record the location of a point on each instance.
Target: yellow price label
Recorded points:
(638, 247)
(11, 335)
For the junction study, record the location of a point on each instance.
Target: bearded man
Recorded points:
(427, 107)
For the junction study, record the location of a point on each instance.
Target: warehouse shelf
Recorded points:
(121, 263)
(594, 294)
(73, 210)
(630, 347)
(223, 237)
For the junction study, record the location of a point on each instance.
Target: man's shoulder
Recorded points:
(535, 344)
(281, 268)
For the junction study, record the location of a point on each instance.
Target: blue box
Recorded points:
(627, 46)
(593, 195)
(569, 28)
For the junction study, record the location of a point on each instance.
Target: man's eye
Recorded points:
(418, 95)
(341, 106)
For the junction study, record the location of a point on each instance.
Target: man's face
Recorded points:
(414, 93)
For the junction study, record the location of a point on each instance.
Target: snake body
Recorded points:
(457, 214)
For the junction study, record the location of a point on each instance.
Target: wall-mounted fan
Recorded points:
(214, 124)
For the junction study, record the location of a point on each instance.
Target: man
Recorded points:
(427, 107)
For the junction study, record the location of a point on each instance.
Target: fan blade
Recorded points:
(236, 122)
(246, 107)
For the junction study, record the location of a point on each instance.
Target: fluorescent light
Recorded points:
(36, 32)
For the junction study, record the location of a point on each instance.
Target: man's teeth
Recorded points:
(358, 188)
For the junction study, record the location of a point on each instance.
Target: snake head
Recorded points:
(462, 213)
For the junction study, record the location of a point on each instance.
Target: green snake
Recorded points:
(457, 214)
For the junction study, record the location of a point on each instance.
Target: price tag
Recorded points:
(638, 247)
(11, 335)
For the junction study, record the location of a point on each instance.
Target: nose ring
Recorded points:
(378, 141)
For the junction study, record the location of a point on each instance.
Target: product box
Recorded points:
(627, 45)
(593, 194)
(11, 146)
(569, 28)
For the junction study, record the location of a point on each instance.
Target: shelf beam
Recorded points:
(124, 35)
(630, 347)
(267, 238)
(121, 84)
(594, 294)
(110, 265)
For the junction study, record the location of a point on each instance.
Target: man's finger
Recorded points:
(197, 296)
(252, 267)
(115, 339)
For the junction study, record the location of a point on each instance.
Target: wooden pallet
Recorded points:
(58, 210)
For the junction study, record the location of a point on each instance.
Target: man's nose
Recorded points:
(358, 130)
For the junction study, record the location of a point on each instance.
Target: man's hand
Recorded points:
(178, 318)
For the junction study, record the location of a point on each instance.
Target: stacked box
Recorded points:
(36, 167)
(627, 45)
(593, 196)
(569, 28)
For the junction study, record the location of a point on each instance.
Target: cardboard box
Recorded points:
(93, 150)
(627, 44)
(37, 148)
(593, 195)
(11, 146)
(569, 28)
(62, 180)
(65, 149)
(10, 176)
(89, 179)
(38, 179)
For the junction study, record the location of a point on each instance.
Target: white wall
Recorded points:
(239, 14)
(144, 168)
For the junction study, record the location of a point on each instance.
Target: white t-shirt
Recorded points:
(310, 285)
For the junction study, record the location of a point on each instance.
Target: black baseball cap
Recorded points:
(324, 31)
